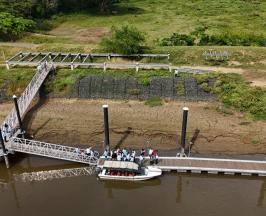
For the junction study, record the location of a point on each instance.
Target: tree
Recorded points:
(126, 40)
(12, 27)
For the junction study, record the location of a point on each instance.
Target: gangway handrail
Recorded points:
(52, 150)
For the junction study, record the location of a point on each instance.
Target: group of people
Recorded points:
(88, 151)
(120, 155)
(130, 155)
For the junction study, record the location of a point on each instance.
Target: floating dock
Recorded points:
(208, 165)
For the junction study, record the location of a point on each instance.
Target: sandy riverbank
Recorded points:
(132, 124)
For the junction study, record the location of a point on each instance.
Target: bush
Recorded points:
(127, 40)
(199, 37)
(228, 39)
(178, 40)
(12, 27)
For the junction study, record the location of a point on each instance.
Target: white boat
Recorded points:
(127, 171)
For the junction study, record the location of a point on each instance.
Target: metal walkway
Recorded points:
(51, 150)
(36, 147)
(73, 60)
(26, 98)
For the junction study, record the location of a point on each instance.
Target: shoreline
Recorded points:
(79, 122)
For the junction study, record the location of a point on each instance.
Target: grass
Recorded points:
(161, 18)
(235, 92)
(154, 16)
(14, 81)
(154, 101)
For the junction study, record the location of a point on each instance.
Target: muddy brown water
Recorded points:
(171, 194)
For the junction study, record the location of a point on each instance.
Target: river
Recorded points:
(27, 188)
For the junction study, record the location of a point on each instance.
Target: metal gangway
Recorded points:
(16, 144)
(26, 98)
(62, 152)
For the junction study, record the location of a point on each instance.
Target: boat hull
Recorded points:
(150, 172)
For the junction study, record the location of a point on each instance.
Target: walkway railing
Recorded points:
(28, 95)
(52, 150)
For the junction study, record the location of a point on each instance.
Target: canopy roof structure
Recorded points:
(121, 165)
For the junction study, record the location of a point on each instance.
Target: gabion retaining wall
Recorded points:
(130, 88)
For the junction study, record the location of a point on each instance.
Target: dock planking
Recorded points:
(207, 165)
(212, 165)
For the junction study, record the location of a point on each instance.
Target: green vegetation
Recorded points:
(12, 27)
(234, 91)
(224, 39)
(19, 16)
(14, 81)
(178, 40)
(254, 141)
(154, 101)
(127, 40)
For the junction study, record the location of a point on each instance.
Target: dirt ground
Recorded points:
(255, 77)
(82, 35)
(135, 125)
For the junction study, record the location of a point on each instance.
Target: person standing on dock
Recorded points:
(142, 152)
(88, 151)
(141, 160)
(150, 153)
(6, 133)
(105, 154)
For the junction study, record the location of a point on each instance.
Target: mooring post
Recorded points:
(4, 149)
(18, 114)
(106, 128)
(184, 131)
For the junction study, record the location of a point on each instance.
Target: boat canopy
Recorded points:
(121, 165)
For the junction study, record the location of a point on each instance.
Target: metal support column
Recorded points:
(18, 114)
(106, 128)
(184, 132)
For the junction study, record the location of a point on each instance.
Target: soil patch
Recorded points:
(134, 125)
(82, 35)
